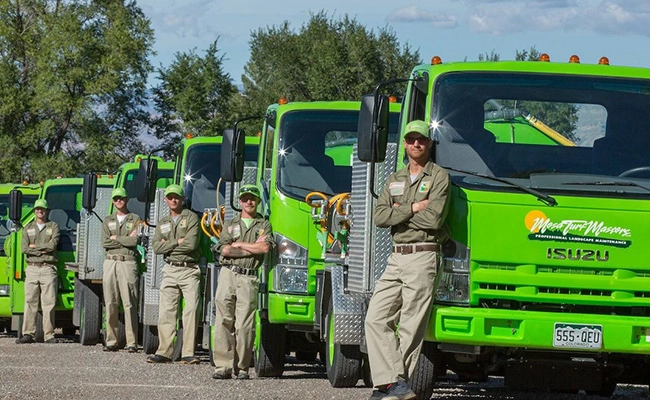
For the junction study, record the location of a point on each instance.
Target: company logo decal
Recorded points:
(573, 230)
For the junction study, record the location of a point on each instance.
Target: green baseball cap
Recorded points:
(174, 189)
(252, 189)
(41, 203)
(418, 126)
(118, 192)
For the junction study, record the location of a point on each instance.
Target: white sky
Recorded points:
(452, 29)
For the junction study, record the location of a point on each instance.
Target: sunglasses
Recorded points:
(413, 139)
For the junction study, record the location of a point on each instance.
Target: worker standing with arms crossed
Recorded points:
(414, 205)
(176, 237)
(39, 245)
(243, 243)
(120, 272)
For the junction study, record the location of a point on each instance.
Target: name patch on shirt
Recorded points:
(396, 188)
(165, 228)
(31, 232)
(112, 225)
(234, 231)
(424, 186)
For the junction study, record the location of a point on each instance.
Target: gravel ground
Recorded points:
(68, 370)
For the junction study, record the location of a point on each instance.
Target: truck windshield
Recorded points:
(202, 172)
(28, 204)
(316, 150)
(130, 185)
(546, 130)
(64, 202)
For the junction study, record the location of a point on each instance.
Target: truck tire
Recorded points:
(342, 362)
(90, 317)
(178, 345)
(427, 369)
(149, 339)
(40, 335)
(270, 344)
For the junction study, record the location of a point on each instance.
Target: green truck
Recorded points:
(90, 255)
(197, 170)
(545, 279)
(305, 160)
(64, 198)
(30, 193)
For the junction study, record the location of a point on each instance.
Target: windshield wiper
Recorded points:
(609, 183)
(543, 197)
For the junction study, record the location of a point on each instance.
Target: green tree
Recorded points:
(193, 96)
(325, 59)
(72, 85)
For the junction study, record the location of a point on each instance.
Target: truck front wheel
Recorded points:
(90, 316)
(270, 344)
(342, 362)
(427, 369)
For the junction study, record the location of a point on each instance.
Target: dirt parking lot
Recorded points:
(68, 370)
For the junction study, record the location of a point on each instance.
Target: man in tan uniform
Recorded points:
(244, 241)
(414, 204)
(120, 280)
(177, 238)
(39, 244)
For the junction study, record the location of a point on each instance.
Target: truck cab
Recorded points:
(543, 280)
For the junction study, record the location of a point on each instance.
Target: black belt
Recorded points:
(120, 257)
(40, 264)
(241, 271)
(415, 248)
(181, 264)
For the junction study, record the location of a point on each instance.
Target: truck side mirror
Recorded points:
(232, 155)
(373, 128)
(89, 192)
(146, 180)
(15, 206)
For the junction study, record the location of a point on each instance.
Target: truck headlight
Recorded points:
(4, 290)
(290, 279)
(452, 283)
(290, 272)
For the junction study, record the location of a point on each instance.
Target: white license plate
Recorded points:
(577, 336)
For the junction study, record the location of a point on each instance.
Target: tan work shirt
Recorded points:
(235, 231)
(428, 225)
(123, 244)
(186, 226)
(46, 241)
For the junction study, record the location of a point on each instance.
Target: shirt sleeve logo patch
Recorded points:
(424, 186)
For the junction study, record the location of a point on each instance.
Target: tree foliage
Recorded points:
(193, 96)
(72, 85)
(325, 59)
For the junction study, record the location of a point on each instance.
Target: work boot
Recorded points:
(190, 360)
(221, 375)
(158, 359)
(25, 339)
(109, 348)
(378, 394)
(51, 341)
(131, 349)
(243, 376)
(399, 391)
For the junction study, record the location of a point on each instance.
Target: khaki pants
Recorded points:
(402, 297)
(234, 325)
(177, 283)
(40, 285)
(120, 282)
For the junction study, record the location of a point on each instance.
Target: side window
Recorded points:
(418, 98)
